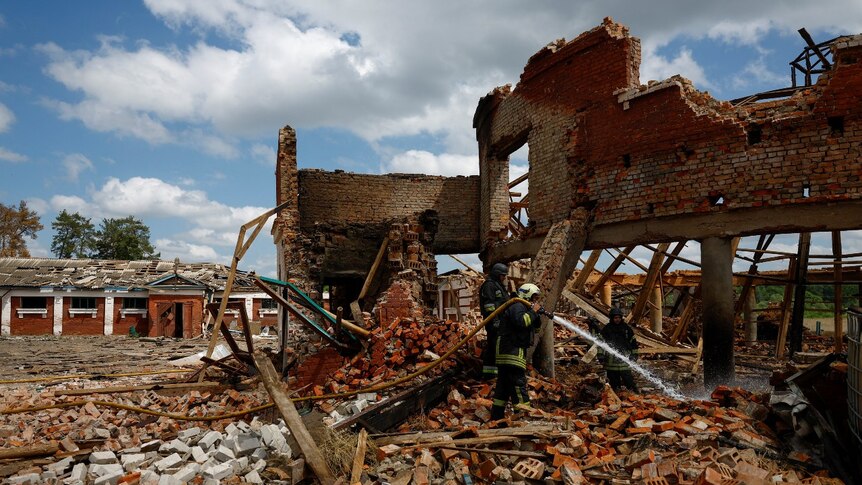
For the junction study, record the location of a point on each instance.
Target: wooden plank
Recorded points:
(355, 308)
(667, 349)
(801, 284)
(649, 282)
(611, 269)
(698, 355)
(585, 306)
(838, 275)
(785, 312)
(420, 437)
(586, 270)
(285, 406)
(482, 440)
(359, 457)
(29, 451)
(519, 453)
(149, 387)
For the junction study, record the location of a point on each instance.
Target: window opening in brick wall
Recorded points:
(134, 303)
(627, 160)
(755, 134)
(84, 302)
(34, 302)
(836, 125)
(806, 191)
(716, 200)
(268, 304)
(519, 184)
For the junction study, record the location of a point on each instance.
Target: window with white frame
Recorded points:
(134, 306)
(83, 305)
(33, 305)
(268, 306)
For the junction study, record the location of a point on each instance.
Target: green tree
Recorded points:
(126, 238)
(15, 225)
(74, 236)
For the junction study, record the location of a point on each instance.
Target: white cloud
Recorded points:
(170, 249)
(263, 154)
(757, 73)
(7, 118)
(290, 62)
(11, 156)
(420, 161)
(657, 67)
(75, 164)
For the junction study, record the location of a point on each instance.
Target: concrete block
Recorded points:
(243, 426)
(252, 477)
(217, 472)
(134, 461)
(109, 478)
(198, 454)
(245, 445)
(176, 446)
(48, 476)
(259, 465)
(151, 446)
(223, 454)
(169, 461)
(231, 430)
(28, 478)
(259, 454)
(209, 440)
(240, 465)
(79, 473)
(100, 470)
(149, 477)
(169, 480)
(103, 457)
(187, 472)
(61, 466)
(188, 434)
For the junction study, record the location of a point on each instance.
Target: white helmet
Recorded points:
(528, 290)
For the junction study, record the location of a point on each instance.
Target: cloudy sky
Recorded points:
(169, 110)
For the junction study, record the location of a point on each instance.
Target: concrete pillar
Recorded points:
(655, 310)
(58, 315)
(6, 314)
(551, 268)
(109, 315)
(748, 317)
(607, 293)
(717, 296)
(249, 308)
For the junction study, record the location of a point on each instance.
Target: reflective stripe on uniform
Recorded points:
(488, 369)
(499, 402)
(528, 320)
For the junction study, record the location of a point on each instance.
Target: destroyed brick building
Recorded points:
(101, 297)
(614, 165)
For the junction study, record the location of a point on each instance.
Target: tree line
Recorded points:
(75, 236)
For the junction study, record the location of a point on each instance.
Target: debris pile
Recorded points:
(636, 439)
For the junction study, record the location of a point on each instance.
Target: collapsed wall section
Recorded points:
(630, 152)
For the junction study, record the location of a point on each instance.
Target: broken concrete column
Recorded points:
(607, 293)
(717, 296)
(748, 317)
(552, 266)
(655, 311)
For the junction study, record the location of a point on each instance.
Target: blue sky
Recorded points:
(169, 110)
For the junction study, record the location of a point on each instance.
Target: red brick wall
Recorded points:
(191, 321)
(403, 299)
(84, 324)
(314, 369)
(350, 198)
(122, 324)
(631, 152)
(266, 319)
(32, 324)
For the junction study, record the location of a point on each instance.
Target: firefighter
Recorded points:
(517, 328)
(619, 335)
(492, 294)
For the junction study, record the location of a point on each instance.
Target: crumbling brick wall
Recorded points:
(335, 221)
(629, 152)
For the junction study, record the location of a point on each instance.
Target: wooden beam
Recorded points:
(673, 256)
(465, 265)
(355, 307)
(649, 284)
(585, 306)
(785, 312)
(29, 451)
(611, 269)
(586, 270)
(839, 287)
(801, 284)
(359, 457)
(285, 406)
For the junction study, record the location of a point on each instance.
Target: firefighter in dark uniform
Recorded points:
(619, 335)
(517, 328)
(492, 294)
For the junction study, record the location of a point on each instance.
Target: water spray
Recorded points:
(634, 365)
